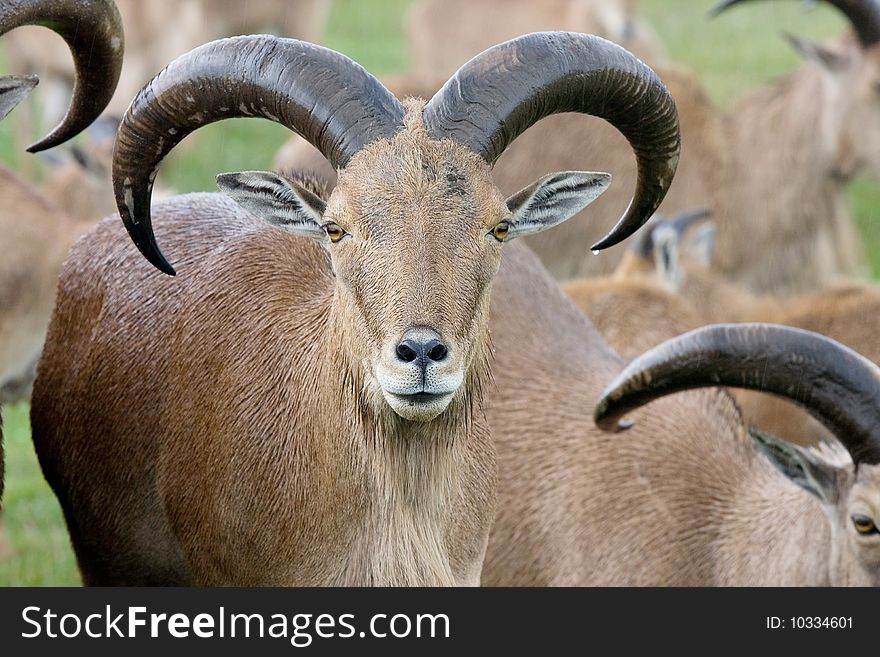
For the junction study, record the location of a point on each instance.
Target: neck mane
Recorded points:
(428, 488)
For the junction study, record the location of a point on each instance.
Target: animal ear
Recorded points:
(699, 243)
(13, 89)
(278, 200)
(803, 466)
(666, 255)
(818, 52)
(553, 199)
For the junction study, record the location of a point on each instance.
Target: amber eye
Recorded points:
(501, 229)
(864, 525)
(334, 232)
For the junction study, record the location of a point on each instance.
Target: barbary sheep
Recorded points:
(93, 32)
(760, 512)
(330, 371)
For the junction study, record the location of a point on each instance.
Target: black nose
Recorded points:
(422, 346)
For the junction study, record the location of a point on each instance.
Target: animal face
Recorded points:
(415, 228)
(420, 222)
(850, 497)
(857, 528)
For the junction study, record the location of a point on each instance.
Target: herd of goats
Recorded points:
(354, 378)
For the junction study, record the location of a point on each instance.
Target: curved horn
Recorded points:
(833, 383)
(501, 92)
(863, 14)
(320, 94)
(93, 32)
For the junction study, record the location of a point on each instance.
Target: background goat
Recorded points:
(742, 522)
(151, 42)
(685, 497)
(672, 275)
(93, 32)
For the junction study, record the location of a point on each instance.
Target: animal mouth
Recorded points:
(422, 397)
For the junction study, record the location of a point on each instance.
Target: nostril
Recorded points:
(406, 353)
(437, 350)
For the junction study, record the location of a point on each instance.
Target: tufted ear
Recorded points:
(803, 466)
(13, 89)
(553, 199)
(667, 260)
(277, 200)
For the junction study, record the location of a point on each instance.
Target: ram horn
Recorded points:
(837, 386)
(93, 31)
(503, 91)
(321, 95)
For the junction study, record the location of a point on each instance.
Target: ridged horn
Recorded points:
(93, 32)
(320, 94)
(837, 386)
(863, 14)
(503, 91)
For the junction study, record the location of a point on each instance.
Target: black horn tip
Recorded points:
(622, 230)
(157, 258)
(611, 239)
(160, 263)
(610, 424)
(44, 144)
(145, 242)
(64, 132)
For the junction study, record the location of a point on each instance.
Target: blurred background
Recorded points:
(730, 54)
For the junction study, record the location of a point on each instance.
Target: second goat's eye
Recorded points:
(334, 232)
(500, 230)
(864, 525)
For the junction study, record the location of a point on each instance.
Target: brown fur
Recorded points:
(297, 470)
(234, 410)
(683, 498)
(634, 314)
(651, 311)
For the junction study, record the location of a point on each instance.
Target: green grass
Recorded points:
(32, 519)
(732, 54)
